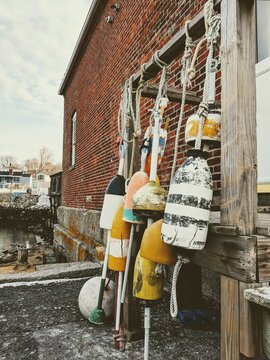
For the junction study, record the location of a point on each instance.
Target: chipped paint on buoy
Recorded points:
(187, 210)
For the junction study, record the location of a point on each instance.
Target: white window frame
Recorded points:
(73, 139)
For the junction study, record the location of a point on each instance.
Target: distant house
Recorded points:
(15, 180)
(41, 184)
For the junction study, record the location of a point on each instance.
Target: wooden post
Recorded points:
(238, 133)
(132, 321)
(238, 155)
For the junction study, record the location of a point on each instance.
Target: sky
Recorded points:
(37, 38)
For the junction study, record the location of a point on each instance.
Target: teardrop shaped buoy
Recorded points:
(139, 179)
(211, 129)
(154, 249)
(187, 210)
(149, 200)
(114, 197)
(148, 279)
(119, 242)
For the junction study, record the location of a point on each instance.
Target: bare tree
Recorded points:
(31, 165)
(8, 160)
(45, 157)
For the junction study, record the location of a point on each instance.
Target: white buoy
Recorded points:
(89, 293)
(187, 210)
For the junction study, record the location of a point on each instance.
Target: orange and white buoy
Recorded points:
(119, 242)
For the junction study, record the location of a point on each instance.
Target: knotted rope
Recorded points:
(173, 302)
(212, 36)
(185, 82)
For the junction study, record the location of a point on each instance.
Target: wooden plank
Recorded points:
(265, 231)
(249, 324)
(229, 318)
(223, 230)
(238, 132)
(175, 46)
(173, 94)
(260, 296)
(263, 221)
(233, 256)
(263, 258)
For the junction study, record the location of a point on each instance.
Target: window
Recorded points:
(40, 177)
(263, 29)
(73, 140)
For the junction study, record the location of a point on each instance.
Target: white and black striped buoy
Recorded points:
(187, 210)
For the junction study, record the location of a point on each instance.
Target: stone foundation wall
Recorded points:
(77, 235)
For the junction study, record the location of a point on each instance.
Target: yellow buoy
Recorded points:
(154, 249)
(148, 279)
(119, 242)
(211, 129)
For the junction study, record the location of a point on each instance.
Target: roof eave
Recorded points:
(95, 10)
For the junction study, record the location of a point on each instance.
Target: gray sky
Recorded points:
(37, 38)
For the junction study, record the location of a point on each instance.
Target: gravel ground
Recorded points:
(42, 321)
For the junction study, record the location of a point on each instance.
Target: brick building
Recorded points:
(107, 53)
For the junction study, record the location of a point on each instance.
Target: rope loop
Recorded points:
(173, 302)
(203, 110)
(158, 60)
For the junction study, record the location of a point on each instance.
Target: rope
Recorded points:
(173, 303)
(212, 35)
(185, 81)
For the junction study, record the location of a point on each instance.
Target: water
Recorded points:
(10, 238)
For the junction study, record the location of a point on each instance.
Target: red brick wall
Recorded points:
(113, 53)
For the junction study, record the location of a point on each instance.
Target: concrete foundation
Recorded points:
(77, 235)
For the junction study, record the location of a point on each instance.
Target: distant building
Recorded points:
(41, 184)
(15, 180)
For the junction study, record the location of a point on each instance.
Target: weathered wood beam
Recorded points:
(223, 230)
(229, 303)
(238, 132)
(233, 256)
(263, 258)
(238, 156)
(175, 46)
(173, 94)
(249, 324)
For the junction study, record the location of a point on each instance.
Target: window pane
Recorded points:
(73, 139)
(263, 29)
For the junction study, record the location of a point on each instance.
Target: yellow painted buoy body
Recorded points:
(119, 242)
(149, 200)
(154, 249)
(148, 280)
(211, 129)
(139, 179)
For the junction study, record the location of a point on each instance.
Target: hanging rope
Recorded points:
(173, 303)
(212, 35)
(185, 81)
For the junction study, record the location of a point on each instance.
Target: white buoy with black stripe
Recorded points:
(187, 210)
(114, 197)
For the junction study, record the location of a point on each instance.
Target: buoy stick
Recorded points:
(118, 306)
(147, 314)
(97, 316)
(153, 174)
(124, 288)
